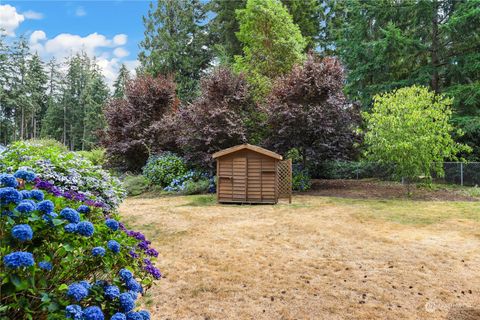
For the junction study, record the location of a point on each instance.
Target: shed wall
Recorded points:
(247, 176)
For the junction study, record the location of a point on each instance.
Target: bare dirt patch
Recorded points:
(319, 258)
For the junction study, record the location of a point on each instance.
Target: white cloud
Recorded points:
(120, 39)
(10, 19)
(120, 52)
(30, 14)
(80, 12)
(108, 51)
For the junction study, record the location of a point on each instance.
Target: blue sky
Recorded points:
(109, 30)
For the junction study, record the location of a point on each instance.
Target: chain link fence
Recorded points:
(461, 173)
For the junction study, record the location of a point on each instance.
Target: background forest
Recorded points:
(218, 72)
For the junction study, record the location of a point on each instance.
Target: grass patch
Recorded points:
(202, 200)
(410, 212)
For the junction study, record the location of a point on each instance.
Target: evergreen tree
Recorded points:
(272, 43)
(36, 86)
(223, 28)
(120, 82)
(175, 43)
(389, 44)
(306, 14)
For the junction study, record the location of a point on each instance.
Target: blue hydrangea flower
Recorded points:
(125, 274)
(46, 206)
(25, 206)
(25, 175)
(74, 311)
(145, 314)
(119, 316)
(8, 180)
(70, 228)
(18, 259)
(93, 313)
(85, 284)
(114, 246)
(112, 292)
(9, 195)
(7, 213)
(77, 291)
(45, 265)
(133, 285)
(134, 316)
(37, 195)
(133, 294)
(101, 283)
(98, 252)
(85, 228)
(70, 214)
(22, 232)
(25, 194)
(112, 224)
(126, 302)
(83, 209)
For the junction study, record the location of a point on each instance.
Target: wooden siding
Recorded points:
(247, 177)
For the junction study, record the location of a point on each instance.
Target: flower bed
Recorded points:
(67, 172)
(65, 255)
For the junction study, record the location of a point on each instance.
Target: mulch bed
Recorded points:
(375, 189)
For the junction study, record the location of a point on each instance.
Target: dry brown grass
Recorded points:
(320, 258)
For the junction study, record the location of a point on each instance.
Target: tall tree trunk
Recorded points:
(22, 122)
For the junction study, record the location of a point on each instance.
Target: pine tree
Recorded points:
(175, 43)
(36, 85)
(120, 82)
(306, 14)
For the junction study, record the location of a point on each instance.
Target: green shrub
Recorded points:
(96, 156)
(69, 171)
(163, 169)
(135, 185)
(301, 180)
(196, 187)
(53, 247)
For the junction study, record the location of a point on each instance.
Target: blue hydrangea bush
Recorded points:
(162, 169)
(70, 173)
(65, 259)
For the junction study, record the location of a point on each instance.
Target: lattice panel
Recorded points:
(285, 180)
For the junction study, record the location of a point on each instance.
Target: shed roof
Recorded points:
(260, 150)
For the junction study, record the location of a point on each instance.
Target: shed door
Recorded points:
(239, 180)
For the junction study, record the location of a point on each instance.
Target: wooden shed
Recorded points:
(251, 174)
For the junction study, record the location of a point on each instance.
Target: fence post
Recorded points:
(461, 174)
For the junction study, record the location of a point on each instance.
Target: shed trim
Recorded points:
(247, 146)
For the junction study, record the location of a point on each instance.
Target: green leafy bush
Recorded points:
(96, 156)
(135, 185)
(196, 187)
(62, 258)
(163, 169)
(301, 180)
(70, 172)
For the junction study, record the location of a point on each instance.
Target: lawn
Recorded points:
(318, 258)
